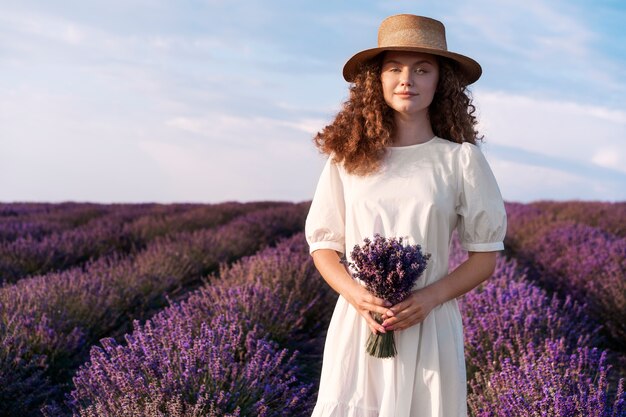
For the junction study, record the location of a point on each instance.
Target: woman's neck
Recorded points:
(411, 130)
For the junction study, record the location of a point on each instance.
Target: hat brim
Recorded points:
(470, 68)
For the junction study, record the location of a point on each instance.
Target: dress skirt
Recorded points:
(426, 378)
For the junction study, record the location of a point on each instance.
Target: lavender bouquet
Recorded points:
(389, 270)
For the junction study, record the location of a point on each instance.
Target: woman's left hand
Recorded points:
(411, 311)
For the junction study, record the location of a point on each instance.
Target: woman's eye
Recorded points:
(420, 70)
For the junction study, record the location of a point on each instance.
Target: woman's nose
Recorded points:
(405, 78)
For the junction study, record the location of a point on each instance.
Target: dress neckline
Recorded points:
(417, 145)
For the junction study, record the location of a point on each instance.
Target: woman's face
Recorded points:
(409, 80)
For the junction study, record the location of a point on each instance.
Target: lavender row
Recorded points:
(603, 215)
(189, 217)
(525, 220)
(41, 219)
(55, 241)
(531, 354)
(221, 352)
(47, 323)
(590, 265)
(575, 259)
(65, 209)
(35, 255)
(127, 229)
(549, 380)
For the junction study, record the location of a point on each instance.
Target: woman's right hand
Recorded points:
(365, 304)
(328, 263)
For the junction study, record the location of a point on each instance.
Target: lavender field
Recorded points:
(217, 310)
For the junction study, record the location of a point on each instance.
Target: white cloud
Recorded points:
(73, 34)
(222, 126)
(567, 130)
(533, 28)
(209, 172)
(609, 157)
(525, 183)
(38, 26)
(539, 44)
(47, 37)
(550, 149)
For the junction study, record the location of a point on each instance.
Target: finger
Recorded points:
(406, 323)
(403, 305)
(376, 309)
(402, 318)
(398, 317)
(377, 301)
(369, 303)
(374, 325)
(389, 322)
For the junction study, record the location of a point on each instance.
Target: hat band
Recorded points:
(412, 38)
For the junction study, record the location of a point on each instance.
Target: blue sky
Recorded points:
(209, 101)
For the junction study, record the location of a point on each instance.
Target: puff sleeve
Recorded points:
(481, 224)
(325, 222)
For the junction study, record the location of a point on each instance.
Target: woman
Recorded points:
(403, 163)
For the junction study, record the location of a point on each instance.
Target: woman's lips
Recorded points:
(406, 94)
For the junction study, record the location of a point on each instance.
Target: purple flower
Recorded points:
(388, 268)
(389, 271)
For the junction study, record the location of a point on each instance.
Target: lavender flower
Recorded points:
(575, 259)
(535, 333)
(48, 322)
(216, 369)
(35, 246)
(528, 353)
(389, 270)
(548, 381)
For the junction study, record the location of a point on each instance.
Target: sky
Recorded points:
(128, 101)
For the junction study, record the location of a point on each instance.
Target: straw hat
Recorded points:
(407, 32)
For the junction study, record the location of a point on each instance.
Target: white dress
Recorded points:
(422, 193)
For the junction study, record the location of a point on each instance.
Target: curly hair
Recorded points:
(364, 127)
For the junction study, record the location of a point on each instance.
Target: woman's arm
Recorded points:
(327, 262)
(476, 269)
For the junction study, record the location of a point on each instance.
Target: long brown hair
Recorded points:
(364, 127)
